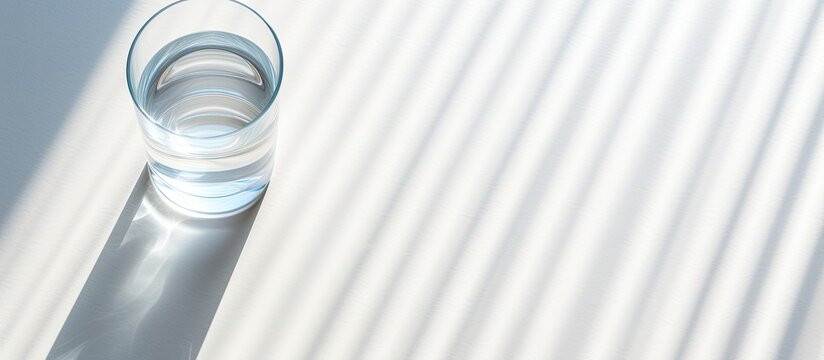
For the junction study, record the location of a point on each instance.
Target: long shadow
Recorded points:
(803, 302)
(474, 320)
(54, 253)
(707, 149)
(557, 53)
(50, 49)
(157, 284)
(609, 256)
(552, 254)
(754, 170)
(40, 207)
(770, 246)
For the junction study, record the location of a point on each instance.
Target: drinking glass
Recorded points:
(204, 77)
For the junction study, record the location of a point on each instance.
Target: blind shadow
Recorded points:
(769, 249)
(50, 51)
(755, 168)
(703, 168)
(157, 284)
(296, 288)
(802, 314)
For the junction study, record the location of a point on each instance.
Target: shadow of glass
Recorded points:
(50, 50)
(157, 284)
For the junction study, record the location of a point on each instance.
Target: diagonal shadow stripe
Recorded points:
(609, 254)
(707, 152)
(411, 169)
(803, 302)
(770, 247)
(754, 170)
(494, 276)
(557, 54)
(45, 86)
(317, 255)
(552, 254)
(482, 116)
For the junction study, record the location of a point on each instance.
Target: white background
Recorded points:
(482, 179)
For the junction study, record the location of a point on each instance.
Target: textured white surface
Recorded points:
(480, 179)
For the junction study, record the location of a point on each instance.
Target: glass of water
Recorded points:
(204, 76)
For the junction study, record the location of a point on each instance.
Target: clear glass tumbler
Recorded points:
(204, 76)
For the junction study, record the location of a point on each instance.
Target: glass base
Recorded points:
(211, 207)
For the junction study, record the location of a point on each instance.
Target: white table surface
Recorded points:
(478, 179)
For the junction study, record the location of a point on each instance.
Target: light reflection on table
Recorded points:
(157, 283)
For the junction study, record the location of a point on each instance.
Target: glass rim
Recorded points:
(272, 98)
